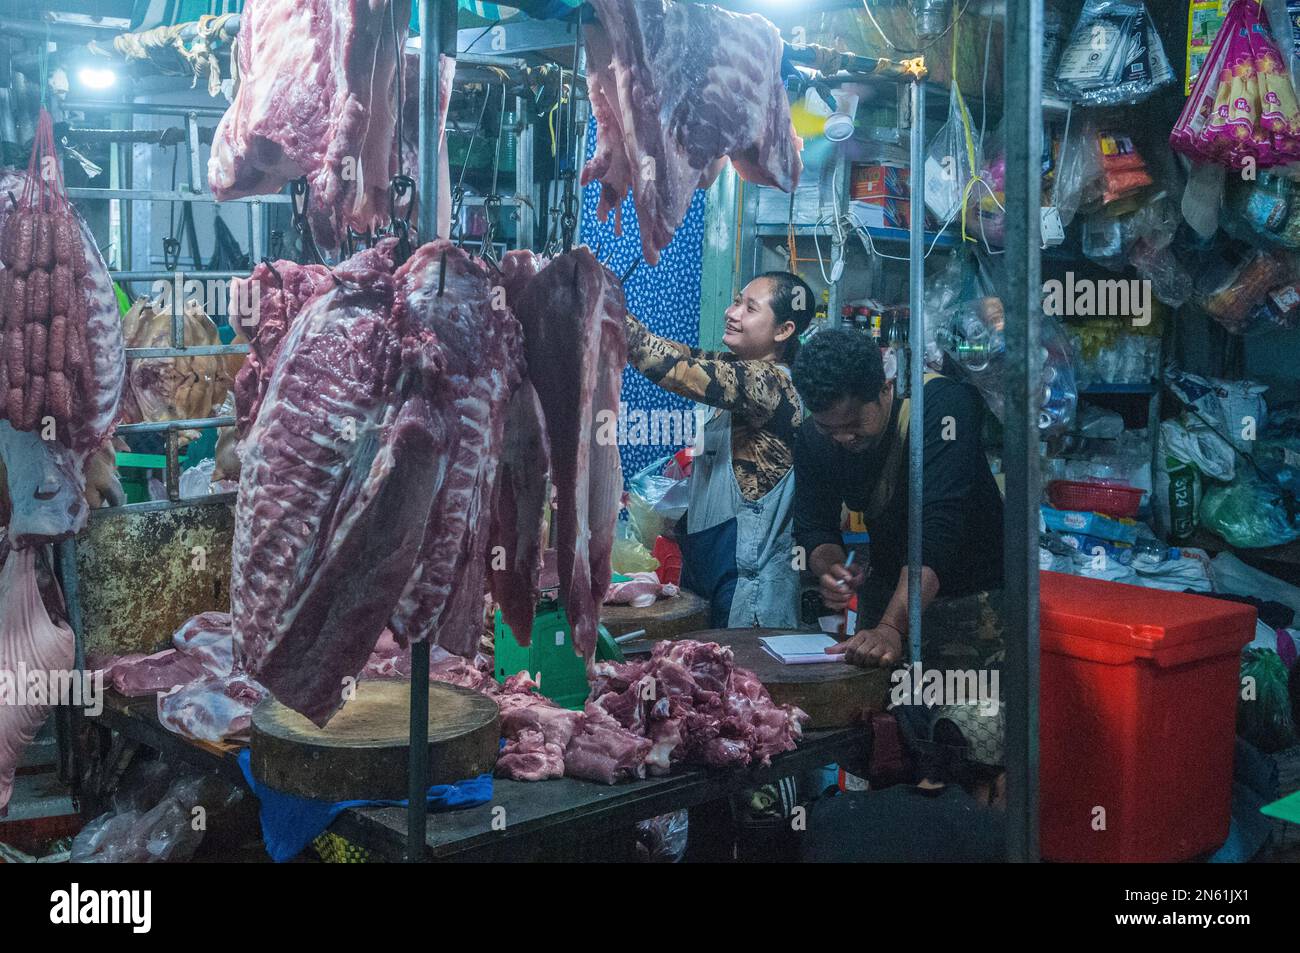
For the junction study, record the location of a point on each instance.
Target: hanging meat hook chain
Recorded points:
(300, 193)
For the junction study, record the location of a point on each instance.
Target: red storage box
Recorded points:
(1137, 719)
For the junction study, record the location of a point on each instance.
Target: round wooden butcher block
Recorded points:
(363, 753)
(834, 694)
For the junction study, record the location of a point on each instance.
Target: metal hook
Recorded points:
(442, 274)
(266, 260)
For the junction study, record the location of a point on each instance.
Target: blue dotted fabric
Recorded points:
(666, 297)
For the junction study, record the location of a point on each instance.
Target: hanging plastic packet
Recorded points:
(1284, 22)
(1242, 112)
(1114, 56)
(1123, 170)
(1204, 19)
(1232, 303)
(952, 162)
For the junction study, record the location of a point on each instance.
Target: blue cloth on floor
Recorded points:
(1254, 784)
(290, 823)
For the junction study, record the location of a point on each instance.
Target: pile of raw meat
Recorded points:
(677, 89)
(397, 420)
(689, 703)
(317, 98)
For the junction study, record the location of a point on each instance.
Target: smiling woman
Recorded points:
(741, 483)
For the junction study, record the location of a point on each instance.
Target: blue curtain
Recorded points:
(666, 298)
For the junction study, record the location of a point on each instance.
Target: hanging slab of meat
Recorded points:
(62, 362)
(316, 99)
(482, 345)
(676, 88)
(268, 300)
(518, 517)
(30, 643)
(573, 313)
(340, 470)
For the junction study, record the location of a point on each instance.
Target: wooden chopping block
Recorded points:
(834, 694)
(363, 753)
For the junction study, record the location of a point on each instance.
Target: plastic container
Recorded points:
(1107, 498)
(1137, 720)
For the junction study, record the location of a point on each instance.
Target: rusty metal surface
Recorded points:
(143, 574)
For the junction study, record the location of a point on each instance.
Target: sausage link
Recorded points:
(23, 239)
(43, 243)
(34, 404)
(58, 396)
(16, 357)
(16, 302)
(57, 347)
(38, 297)
(61, 289)
(36, 344)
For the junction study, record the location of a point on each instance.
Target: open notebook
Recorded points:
(799, 648)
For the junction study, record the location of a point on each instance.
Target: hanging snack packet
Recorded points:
(1122, 168)
(1114, 55)
(1204, 18)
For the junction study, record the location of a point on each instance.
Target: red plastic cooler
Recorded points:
(1137, 719)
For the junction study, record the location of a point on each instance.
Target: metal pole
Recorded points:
(1024, 140)
(437, 32)
(916, 370)
(524, 222)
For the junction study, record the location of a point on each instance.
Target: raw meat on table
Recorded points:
(483, 350)
(316, 99)
(340, 471)
(573, 314)
(30, 642)
(676, 89)
(688, 703)
(213, 708)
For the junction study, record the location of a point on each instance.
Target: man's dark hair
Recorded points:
(792, 300)
(838, 363)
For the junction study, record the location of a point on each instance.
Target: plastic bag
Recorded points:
(1114, 55)
(629, 555)
(657, 496)
(1235, 409)
(1069, 183)
(971, 333)
(1190, 441)
(1250, 514)
(952, 161)
(197, 480)
(662, 839)
(1234, 301)
(164, 833)
(1265, 719)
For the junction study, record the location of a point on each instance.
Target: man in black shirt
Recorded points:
(853, 453)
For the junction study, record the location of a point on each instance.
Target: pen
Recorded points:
(847, 563)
